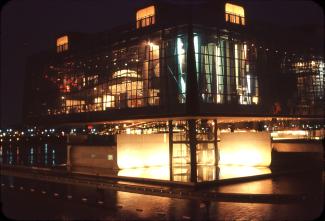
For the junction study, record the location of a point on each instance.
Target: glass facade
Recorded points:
(226, 70)
(153, 72)
(151, 67)
(309, 73)
(145, 17)
(234, 14)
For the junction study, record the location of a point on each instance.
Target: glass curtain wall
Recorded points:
(153, 72)
(310, 83)
(225, 70)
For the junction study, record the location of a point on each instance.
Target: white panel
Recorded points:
(245, 148)
(143, 150)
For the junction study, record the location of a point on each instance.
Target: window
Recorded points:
(109, 157)
(145, 17)
(235, 14)
(62, 44)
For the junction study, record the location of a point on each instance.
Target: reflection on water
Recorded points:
(227, 172)
(205, 173)
(161, 173)
(33, 154)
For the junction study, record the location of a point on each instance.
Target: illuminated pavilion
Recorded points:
(169, 91)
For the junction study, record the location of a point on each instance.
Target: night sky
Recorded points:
(29, 26)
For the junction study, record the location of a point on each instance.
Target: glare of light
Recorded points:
(161, 173)
(289, 134)
(248, 84)
(231, 171)
(181, 60)
(255, 100)
(246, 148)
(196, 50)
(138, 151)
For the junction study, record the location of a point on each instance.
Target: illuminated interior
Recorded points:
(62, 44)
(245, 148)
(289, 134)
(145, 16)
(235, 14)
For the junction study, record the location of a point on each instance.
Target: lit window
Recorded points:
(145, 17)
(109, 157)
(62, 44)
(235, 14)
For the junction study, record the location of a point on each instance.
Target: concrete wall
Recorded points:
(297, 154)
(93, 156)
(298, 147)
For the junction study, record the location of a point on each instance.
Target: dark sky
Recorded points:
(29, 26)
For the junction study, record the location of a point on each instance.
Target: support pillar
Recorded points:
(216, 149)
(170, 133)
(192, 142)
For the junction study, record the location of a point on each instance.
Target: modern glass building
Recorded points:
(166, 86)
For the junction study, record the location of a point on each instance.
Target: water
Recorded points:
(36, 154)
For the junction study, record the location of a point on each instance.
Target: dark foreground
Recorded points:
(23, 198)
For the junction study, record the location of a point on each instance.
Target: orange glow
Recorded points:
(246, 148)
(255, 100)
(235, 10)
(145, 150)
(125, 73)
(160, 173)
(143, 16)
(234, 14)
(227, 172)
(289, 134)
(62, 40)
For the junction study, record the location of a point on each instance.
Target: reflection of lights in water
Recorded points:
(204, 173)
(247, 149)
(161, 173)
(17, 155)
(31, 156)
(53, 157)
(45, 154)
(257, 187)
(10, 156)
(227, 172)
